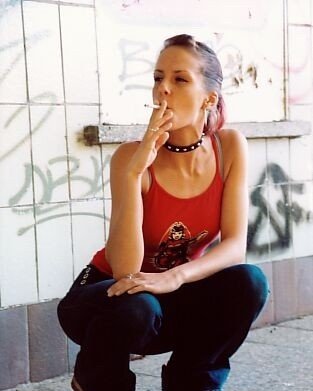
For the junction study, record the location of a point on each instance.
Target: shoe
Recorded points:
(170, 384)
(131, 382)
(75, 386)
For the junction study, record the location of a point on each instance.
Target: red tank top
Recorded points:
(177, 230)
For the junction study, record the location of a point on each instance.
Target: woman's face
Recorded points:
(178, 80)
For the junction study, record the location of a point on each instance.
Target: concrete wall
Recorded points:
(68, 64)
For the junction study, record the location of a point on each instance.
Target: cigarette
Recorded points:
(153, 106)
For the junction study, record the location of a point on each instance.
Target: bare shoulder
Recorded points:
(234, 147)
(119, 164)
(232, 138)
(123, 154)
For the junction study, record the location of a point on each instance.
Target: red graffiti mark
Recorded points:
(298, 98)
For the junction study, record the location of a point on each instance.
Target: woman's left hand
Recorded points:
(145, 282)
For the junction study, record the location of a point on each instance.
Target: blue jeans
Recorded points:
(202, 323)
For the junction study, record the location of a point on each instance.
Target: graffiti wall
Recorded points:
(65, 65)
(253, 73)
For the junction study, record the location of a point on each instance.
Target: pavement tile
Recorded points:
(148, 383)
(305, 323)
(154, 367)
(282, 337)
(248, 377)
(275, 358)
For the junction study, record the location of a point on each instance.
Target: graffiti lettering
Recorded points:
(236, 73)
(49, 184)
(280, 216)
(127, 4)
(129, 52)
(47, 95)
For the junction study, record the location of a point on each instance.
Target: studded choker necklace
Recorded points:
(186, 148)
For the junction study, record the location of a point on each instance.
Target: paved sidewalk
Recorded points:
(274, 358)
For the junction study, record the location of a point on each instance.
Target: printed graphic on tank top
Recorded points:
(176, 246)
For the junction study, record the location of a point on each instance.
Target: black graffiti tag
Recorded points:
(280, 215)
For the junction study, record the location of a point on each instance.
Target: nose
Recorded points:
(164, 88)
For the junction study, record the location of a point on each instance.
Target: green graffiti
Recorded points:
(49, 184)
(35, 129)
(23, 230)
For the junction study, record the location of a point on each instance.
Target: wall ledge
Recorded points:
(116, 134)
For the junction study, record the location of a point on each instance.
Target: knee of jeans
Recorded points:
(253, 283)
(141, 313)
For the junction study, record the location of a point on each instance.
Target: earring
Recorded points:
(207, 113)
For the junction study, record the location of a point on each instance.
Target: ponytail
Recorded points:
(216, 117)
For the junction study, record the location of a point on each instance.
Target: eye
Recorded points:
(181, 80)
(157, 79)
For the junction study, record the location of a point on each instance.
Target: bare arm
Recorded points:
(125, 247)
(234, 217)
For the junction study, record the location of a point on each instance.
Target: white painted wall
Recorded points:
(77, 68)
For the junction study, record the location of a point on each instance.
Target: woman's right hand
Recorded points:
(155, 136)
